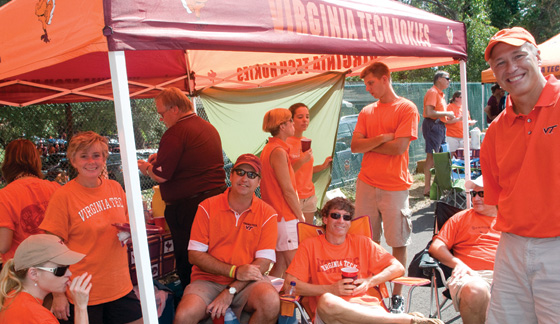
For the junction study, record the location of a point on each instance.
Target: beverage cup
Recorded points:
(350, 273)
(305, 144)
(219, 320)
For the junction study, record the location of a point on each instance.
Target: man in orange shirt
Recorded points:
(317, 271)
(433, 126)
(383, 133)
(231, 246)
(470, 235)
(519, 161)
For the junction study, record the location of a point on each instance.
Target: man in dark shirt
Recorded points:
(188, 166)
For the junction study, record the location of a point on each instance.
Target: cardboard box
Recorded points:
(420, 166)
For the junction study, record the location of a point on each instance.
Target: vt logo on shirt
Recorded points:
(549, 129)
(248, 226)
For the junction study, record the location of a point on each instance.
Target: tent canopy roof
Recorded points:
(57, 51)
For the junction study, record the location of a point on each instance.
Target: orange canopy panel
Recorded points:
(56, 50)
(550, 60)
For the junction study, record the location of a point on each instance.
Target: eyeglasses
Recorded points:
(448, 78)
(58, 271)
(346, 217)
(250, 174)
(479, 193)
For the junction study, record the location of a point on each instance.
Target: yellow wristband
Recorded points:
(232, 271)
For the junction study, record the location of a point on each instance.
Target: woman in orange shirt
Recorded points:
(39, 267)
(278, 185)
(24, 200)
(82, 213)
(302, 162)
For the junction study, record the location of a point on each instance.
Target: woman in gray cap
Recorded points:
(39, 267)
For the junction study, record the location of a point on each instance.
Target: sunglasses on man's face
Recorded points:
(346, 217)
(58, 271)
(250, 174)
(479, 193)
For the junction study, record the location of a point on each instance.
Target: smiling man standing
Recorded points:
(188, 166)
(519, 161)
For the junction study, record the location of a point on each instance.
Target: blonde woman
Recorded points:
(81, 213)
(278, 185)
(39, 267)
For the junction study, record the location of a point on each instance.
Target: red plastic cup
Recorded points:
(305, 144)
(349, 273)
(219, 320)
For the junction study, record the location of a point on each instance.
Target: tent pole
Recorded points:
(119, 79)
(466, 145)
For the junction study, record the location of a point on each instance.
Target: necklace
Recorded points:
(24, 175)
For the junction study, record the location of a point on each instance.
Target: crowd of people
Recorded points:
(59, 240)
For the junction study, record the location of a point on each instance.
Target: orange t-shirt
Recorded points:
(455, 129)
(271, 192)
(82, 217)
(304, 175)
(519, 162)
(25, 309)
(435, 97)
(319, 262)
(387, 172)
(230, 237)
(472, 238)
(22, 208)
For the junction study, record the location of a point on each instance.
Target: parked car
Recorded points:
(346, 165)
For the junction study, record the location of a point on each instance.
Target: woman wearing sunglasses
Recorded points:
(24, 200)
(82, 213)
(302, 162)
(278, 185)
(39, 267)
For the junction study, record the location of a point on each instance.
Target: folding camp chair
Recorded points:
(360, 226)
(432, 268)
(449, 182)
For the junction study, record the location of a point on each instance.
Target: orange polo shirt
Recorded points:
(387, 172)
(271, 192)
(304, 175)
(520, 163)
(435, 97)
(231, 237)
(455, 129)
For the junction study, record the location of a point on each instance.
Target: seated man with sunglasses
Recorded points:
(231, 247)
(317, 271)
(471, 237)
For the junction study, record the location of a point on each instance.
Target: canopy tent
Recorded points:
(550, 60)
(55, 51)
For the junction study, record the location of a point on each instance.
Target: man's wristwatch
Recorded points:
(231, 290)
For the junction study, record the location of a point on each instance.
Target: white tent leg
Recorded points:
(467, 146)
(119, 79)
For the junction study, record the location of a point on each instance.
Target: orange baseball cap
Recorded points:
(515, 36)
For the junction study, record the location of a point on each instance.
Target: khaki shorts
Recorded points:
(287, 235)
(309, 204)
(456, 285)
(454, 143)
(208, 291)
(388, 212)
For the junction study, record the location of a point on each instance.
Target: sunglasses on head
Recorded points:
(250, 174)
(346, 217)
(58, 271)
(474, 193)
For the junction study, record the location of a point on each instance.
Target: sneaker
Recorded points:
(397, 304)
(419, 318)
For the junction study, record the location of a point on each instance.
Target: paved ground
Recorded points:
(422, 222)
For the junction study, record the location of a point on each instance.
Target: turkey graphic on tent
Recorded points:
(44, 9)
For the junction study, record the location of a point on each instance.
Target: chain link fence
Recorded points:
(51, 126)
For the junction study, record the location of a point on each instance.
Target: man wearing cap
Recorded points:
(231, 247)
(469, 234)
(433, 127)
(383, 133)
(188, 166)
(519, 161)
